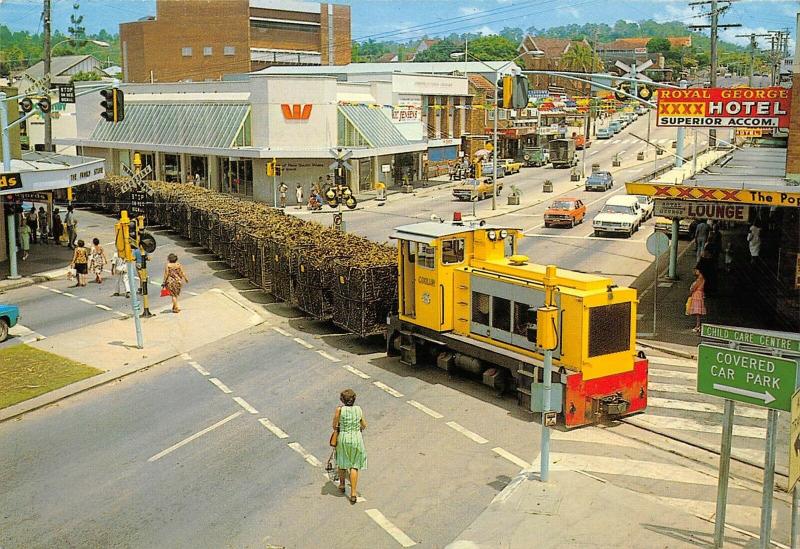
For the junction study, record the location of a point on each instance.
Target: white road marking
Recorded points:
(281, 331)
(304, 343)
(222, 386)
(89, 301)
(384, 387)
(586, 237)
(512, 458)
(193, 293)
(326, 355)
(120, 314)
(616, 141)
(194, 436)
(672, 373)
(101, 306)
(297, 447)
(433, 413)
(244, 404)
(687, 424)
(670, 361)
(55, 290)
(199, 368)
(399, 536)
(624, 466)
(672, 404)
(670, 387)
(43, 287)
(277, 431)
(69, 294)
(355, 371)
(466, 432)
(593, 153)
(623, 151)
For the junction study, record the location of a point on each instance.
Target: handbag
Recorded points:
(331, 471)
(335, 434)
(688, 306)
(164, 291)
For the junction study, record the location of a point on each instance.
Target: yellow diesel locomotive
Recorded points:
(468, 302)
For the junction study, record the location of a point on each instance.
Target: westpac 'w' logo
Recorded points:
(296, 112)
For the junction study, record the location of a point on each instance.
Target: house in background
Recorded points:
(62, 69)
(553, 59)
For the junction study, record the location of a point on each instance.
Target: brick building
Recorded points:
(196, 40)
(554, 50)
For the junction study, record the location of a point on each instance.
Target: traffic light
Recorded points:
(508, 92)
(113, 104)
(521, 87)
(278, 170)
(271, 169)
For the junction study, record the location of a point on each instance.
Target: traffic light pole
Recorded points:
(494, 143)
(11, 219)
(123, 244)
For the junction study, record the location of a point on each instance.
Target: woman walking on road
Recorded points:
(351, 455)
(80, 262)
(174, 278)
(697, 295)
(98, 260)
(25, 239)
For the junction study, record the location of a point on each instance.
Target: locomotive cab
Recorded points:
(466, 301)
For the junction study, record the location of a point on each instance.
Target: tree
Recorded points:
(580, 58)
(85, 76)
(76, 29)
(492, 48)
(515, 34)
(441, 51)
(658, 45)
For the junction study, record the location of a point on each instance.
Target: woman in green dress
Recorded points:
(351, 455)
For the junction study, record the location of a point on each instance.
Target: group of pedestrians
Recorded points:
(88, 260)
(36, 227)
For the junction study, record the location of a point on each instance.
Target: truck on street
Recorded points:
(562, 153)
(535, 156)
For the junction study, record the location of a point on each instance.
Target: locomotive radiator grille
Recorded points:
(609, 329)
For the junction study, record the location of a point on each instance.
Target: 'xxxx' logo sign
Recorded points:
(684, 109)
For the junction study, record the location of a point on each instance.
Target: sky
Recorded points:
(413, 19)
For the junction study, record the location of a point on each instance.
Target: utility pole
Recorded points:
(753, 47)
(48, 124)
(714, 14)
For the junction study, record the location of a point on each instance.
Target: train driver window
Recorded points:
(452, 251)
(509, 246)
(426, 256)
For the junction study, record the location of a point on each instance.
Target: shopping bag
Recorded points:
(164, 291)
(688, 306)
(71, 274)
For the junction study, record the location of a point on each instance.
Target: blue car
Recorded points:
(9, 315)
(599, 181)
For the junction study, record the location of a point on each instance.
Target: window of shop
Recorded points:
(198, 171)
(172, 168)
(349, 136)
(243, 138)
(149, 159)
(237, 176)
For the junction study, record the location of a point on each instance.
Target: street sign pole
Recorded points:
(794, 469)
(769, 480)
(724, 472)
(795, 541)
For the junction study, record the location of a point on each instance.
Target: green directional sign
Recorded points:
(763, 380)
(780, 341)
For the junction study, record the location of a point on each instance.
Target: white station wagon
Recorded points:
(621, 214)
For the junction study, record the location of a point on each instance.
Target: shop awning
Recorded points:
(41, 172)
(208, 125)
(374, 126)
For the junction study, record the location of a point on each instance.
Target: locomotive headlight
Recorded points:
(492, 234)
(503, 234)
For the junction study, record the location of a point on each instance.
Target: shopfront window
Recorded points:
(237, 176)
(172, 168)
(198, 171)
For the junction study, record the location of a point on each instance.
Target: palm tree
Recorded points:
(580, 58)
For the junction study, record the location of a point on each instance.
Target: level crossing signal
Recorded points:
(26, 104)
(113, 104)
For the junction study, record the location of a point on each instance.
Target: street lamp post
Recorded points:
(455, 55)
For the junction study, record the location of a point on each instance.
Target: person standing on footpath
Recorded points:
(71, 223)
(283, 189)
(174, 278)
(58, 227)
(32, 221)
(697, 296)
(754, 241)
(701, 233)
(25, 239)
(351, 455)
(43, 229)
(298, 193)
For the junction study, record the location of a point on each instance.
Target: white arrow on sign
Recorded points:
(765, 396)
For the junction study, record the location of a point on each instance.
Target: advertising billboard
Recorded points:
(724, 107)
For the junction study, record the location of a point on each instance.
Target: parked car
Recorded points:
(599, 181)
(510, 165)
(642, 110)
(565, 212)
(474, 189)
(615, 126)
(686, 227)
(604, 133)
(9, 316)
(646, 204)
(621, 214)
(535, 156)
(487, 169)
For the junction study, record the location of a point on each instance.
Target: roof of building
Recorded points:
(748, 168)
(58, 65)
(480, 82)
(387, 57)
(287, 5)
(552, 47)
(374, 125)
(175, 124)
(442, 67)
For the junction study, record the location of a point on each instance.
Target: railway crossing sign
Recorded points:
(763, 380)
(342, 156)
(794, 442)
(635, 71)
(137, 181)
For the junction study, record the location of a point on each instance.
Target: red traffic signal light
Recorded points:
(113, 104)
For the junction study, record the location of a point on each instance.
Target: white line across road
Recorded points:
(244, 404)
(199, 368)
(187, 440)
(386, 388)
(277, 431)
(88, 301)
(670, 361)
(281, 331)
(54, 290)
(511, 457)
(355, 371)
(421, 407)
(593, 153)
(658, 372)
(398, 535)
(672, 404)
(120, 314)
(297, 447)
(616, 142)
(686, 424)
(326, 355)
(222, 386)
(303, 342)
(69, 294)
(101, 306)
(466, 432)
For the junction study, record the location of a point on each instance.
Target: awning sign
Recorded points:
(686, 209)
(749, 132)
(738, 196)
(9, 181)
(724, 107)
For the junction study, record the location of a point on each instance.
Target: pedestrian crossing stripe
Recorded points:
(658, 372)
(707, 407)
(670, 387)
(670, 361)
(651, 421)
